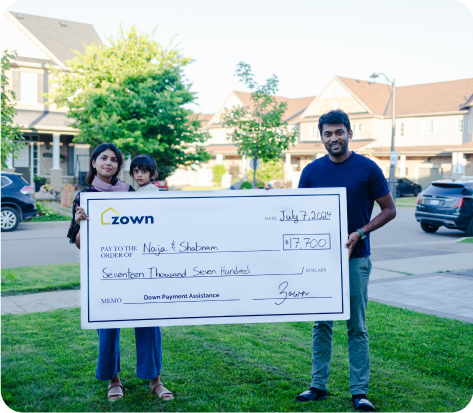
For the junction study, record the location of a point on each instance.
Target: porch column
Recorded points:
(219, 159)
(461, 163)
(454, 162)
(243, 164)
(403, 166)
(125, 177)
(56, 171)
(288, 169)
(9, 163)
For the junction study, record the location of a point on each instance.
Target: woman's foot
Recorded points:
(158, 388)
(115, 389)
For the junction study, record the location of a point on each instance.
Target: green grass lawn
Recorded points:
(467, 241)
(418, 363)
(40, 278)
(407, 201)
(48, 213)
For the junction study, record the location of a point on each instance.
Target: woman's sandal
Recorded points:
(115, 390)
(161, 391)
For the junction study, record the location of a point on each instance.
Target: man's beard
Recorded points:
(343, 149)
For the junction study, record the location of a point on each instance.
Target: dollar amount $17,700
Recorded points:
(306, 242)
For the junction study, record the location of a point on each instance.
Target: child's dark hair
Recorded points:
(145, 163)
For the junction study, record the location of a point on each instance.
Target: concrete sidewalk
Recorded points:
(429, 264)
(447, 295)
(35, 303)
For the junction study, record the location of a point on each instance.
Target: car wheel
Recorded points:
(10, 219)
(469, 229)
(416, 191)
(398, 193)
(429, 228)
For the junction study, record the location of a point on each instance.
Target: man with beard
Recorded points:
(365, 183)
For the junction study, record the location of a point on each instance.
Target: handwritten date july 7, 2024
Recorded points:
(300, 216)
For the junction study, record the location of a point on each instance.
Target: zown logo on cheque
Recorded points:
(116, 219)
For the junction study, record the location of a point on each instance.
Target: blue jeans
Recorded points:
(358, 342)
(149, 353)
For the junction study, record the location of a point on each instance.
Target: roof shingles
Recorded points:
(439, 97)
(59, 39)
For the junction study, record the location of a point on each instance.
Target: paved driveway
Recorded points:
(38, 243)
(428, 273)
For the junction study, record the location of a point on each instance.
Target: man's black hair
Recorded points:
(145, 163)
(334, 117)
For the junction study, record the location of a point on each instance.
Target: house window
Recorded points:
(356, 127)
(400, 128)
(430, 127)
(314, 132)
(459, 125)
(220, 136)
(28, 88)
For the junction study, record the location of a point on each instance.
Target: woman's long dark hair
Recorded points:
(98, 150)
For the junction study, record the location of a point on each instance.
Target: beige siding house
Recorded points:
(39, 42)
(434, 121)
(433, 130)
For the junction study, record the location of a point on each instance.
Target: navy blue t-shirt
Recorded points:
(364, 182)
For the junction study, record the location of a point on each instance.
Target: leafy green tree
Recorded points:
(218, 172)
(267, 171)
(11, 133)
(259, 130)
(132, 93)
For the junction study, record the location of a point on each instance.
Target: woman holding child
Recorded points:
(105, 164)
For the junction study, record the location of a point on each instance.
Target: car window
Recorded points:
(442, 189)
(5, 181)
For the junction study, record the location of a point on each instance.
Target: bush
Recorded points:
(48, 213)
(218, 172)
(267, 171)
(246, 185)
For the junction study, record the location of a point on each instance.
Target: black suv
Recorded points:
(406, 187)
(448, 204)
(17, 201)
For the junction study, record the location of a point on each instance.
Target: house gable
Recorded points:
(232, 100)
(335, 96)
(16, 37)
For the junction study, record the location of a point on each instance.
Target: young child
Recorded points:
(143, 169)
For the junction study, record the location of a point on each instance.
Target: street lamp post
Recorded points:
(393, 157)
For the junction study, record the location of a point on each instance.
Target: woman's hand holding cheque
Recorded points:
(80, 215)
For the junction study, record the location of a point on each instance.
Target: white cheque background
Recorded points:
(252, 267)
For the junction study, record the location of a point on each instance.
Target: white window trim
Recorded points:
(30, 82)
(398, 129)
(460, 130)
(426, 124)
(314, 132)
(356, 127)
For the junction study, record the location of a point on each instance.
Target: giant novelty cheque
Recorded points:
(213, 257)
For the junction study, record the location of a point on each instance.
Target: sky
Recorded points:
(305, 43)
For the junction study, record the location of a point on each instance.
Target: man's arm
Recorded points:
(388, 213)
